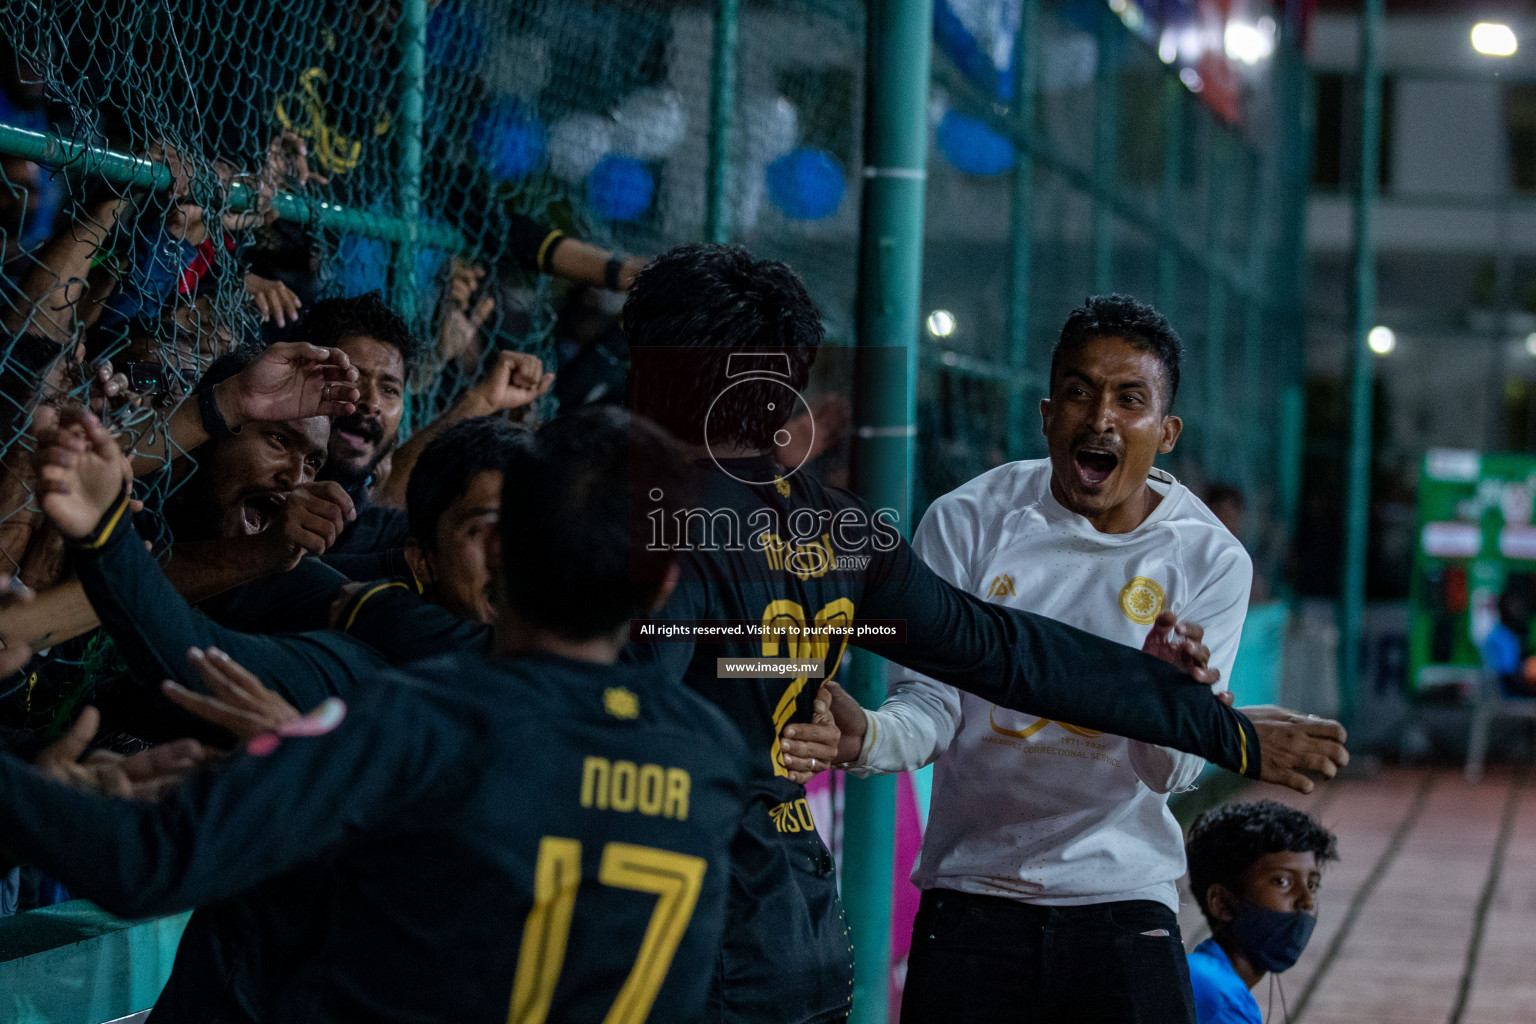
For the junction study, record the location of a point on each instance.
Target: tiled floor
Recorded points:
(1430, 915)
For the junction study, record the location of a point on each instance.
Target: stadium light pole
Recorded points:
(1357, 508)
(898, 59)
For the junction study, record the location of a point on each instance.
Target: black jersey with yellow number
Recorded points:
(763, 548)
(530, 839)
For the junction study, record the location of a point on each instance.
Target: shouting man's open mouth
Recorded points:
(1095, 464)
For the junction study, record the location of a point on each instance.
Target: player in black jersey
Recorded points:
(533, 835)
(721, 345)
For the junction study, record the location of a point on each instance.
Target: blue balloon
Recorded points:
(972, 146)
(455, 36)
(361, 265)
(806, 183)
(620, 188)
(512, 143)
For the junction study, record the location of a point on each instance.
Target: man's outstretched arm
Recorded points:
(228, 829)
(1042, 667)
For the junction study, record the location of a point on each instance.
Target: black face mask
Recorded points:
(1272, 940)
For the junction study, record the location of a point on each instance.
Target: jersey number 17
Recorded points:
(674, 878)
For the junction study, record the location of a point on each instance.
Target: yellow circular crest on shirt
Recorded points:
(621, 702)
(1141, 600)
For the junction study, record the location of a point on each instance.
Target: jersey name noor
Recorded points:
(648, 789)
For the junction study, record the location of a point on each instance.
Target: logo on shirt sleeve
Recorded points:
(1141, 600)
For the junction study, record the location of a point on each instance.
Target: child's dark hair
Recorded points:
(449, 463)
(579, 502)
(1121, 316)
(1225, 841)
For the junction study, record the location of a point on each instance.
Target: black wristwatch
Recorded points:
(611, 273)
(214, 422)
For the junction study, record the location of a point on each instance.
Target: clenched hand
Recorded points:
(810, 747)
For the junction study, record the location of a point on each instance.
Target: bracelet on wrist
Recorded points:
(214, 423)
(107, 525)
(611, 271)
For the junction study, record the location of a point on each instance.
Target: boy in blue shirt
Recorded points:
(1503, 650)
(1255, 869)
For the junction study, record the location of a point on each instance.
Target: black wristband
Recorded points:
(611, 273)
(214, 422)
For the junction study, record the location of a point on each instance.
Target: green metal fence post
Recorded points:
(1215, 395)
(1357, 508)
(1255, 317)
(413, 72)
(1173, 100)
(1297, 130)
(1021, 209)
(722, 108)
(1107, 33)
(890, 282)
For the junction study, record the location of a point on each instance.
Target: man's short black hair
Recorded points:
(447, 465)
(1121, 316)
(1225, 841)
(687, 312)
(577, 507)
(331, 320)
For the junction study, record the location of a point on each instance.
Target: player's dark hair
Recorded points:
(329, 321)
(577, 508)
(688, 311)
(1225, 841)
(447, 465)
(1120, 316)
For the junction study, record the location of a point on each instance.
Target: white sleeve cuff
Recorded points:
(861, 765)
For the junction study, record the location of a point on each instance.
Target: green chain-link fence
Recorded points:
(430, 124)
(151, 187)
(153, 142)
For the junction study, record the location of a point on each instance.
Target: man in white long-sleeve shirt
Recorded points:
(1050, 861)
